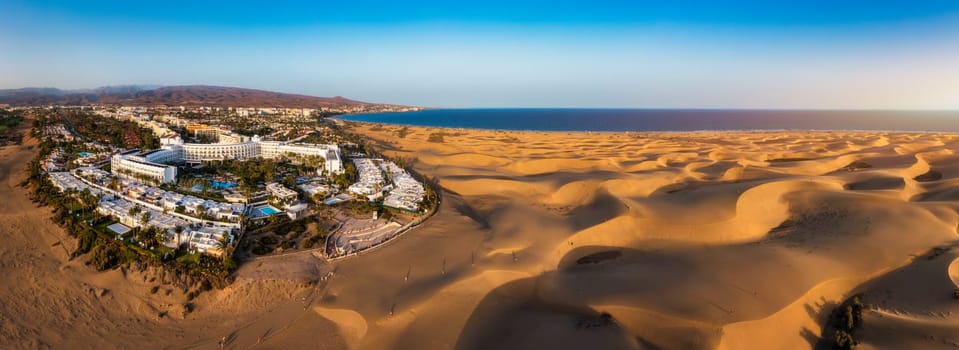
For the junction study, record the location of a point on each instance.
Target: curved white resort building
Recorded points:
(144, 166)
(198, 152)
(151, 164)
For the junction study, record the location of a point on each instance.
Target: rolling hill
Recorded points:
(192, 95)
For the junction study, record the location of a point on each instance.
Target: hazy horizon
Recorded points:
(640, 108)
(567, 54)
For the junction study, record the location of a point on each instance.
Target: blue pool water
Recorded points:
(216, 185)
(222, 185)
(263, 211)
(268, 210)
(85, 154)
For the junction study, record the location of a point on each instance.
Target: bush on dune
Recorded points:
(436, 137)
(845, 319)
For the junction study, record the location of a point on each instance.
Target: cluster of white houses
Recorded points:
(154, 165)
(369, 178)
(200, 235)
(407, 193)
(404, 192)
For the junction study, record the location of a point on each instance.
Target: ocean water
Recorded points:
(669, 119)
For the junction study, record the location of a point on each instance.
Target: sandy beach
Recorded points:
(728, 240)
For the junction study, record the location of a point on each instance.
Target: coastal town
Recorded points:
(203, 181)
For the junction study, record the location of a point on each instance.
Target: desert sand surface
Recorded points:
(728, 240)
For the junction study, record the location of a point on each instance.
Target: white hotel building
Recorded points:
(147, 165)
(198, 152)
(132, 163)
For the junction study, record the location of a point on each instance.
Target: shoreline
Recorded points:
(651, 132)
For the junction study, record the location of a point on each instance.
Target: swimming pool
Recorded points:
(268, 210)
(263, 211)
(85, 154)
(222, 185)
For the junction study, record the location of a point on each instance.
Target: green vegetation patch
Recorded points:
(402, 132)
(9, 120)
(437, 137)
(192, 259)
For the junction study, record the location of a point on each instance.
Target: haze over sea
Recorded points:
(669, 119)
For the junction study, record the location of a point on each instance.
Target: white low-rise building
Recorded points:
(406, 194)
(370, 178)
(206, 239)
(314, 189)
(143, 166)
(284, 196)
(297, 211)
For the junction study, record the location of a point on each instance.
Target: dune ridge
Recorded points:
(572, 240)
(686, 240)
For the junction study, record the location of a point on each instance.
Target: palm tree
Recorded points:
(224, 245)
(243, 219)
(134, 210)
(145, 218)
(179, 230)
(145, 236)
(88, 199)
(160, 236)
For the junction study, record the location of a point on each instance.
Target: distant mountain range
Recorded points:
(192, 95)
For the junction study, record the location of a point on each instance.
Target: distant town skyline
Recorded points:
(620, 54)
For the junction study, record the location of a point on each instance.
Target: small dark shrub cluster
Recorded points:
(436, 137)
(846, 318)
(312, 241)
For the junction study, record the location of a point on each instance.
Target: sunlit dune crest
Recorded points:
(725, 240)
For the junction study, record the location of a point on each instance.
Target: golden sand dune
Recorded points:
(675, 240)
(914, 306)
(731, 240)
(954, 272)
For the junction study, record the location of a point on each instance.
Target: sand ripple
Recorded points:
(686, 240)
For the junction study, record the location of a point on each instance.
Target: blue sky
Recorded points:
(694, 54)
